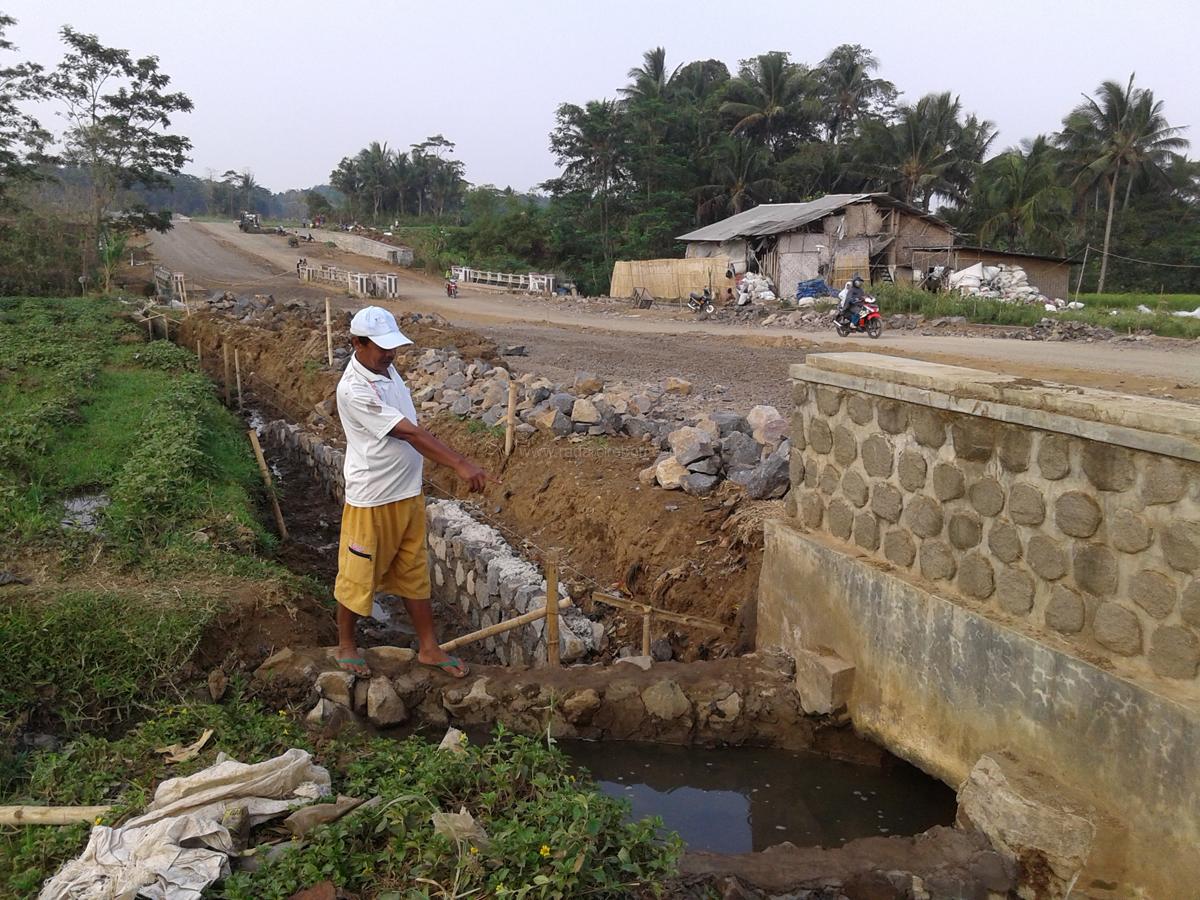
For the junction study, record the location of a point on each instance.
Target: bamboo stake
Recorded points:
(510, 433)
(199, 352)
(552, 657)
(237, 369)
(501, 627)
(266, 474)
(50, 815)
(150, 326)
(646, 633)
(328, 334)
(225, 354)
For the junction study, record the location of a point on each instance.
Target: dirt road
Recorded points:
(616, 342)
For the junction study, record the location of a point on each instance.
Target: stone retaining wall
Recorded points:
(1092, 533)
(471, 565)
(992, 564)
(364, 246)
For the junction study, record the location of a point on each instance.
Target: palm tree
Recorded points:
(849, 91)
(771, 98)
(1121, 127)
(1019, 199)
(650, 79)
(742, 178)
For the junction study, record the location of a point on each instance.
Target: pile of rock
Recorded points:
(751, 451)
(1069, 330)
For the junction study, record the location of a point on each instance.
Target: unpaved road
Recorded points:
(563, 337)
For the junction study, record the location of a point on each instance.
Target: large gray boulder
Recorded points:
(771, 479)
(739, 449)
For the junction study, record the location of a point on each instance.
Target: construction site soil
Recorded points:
(699, 556)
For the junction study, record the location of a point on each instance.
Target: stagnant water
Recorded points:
(740, 799)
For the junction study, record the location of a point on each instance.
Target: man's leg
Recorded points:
(354, 588)
(420, 612)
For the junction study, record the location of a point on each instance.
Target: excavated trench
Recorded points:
(818, 787)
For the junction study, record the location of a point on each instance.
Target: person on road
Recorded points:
(382, 544)
(851, 306)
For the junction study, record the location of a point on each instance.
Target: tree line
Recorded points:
(680, 147)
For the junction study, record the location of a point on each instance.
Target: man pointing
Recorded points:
(383, 521)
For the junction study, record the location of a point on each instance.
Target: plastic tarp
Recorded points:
(181, 844)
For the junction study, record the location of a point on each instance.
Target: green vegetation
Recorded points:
(552, 834)
(897, 299)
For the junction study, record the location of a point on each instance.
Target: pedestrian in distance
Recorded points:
(382, 546)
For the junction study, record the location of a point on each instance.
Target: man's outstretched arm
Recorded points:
(439, 452)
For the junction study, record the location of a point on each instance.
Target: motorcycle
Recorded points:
(452, 288)
(701, 302)
(869, 320)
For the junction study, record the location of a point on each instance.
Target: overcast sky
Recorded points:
(286, 89)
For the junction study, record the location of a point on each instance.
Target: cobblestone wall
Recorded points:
(1094, 542)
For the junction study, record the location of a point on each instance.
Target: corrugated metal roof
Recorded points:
(776, 218)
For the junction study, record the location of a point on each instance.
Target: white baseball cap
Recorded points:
(380, 326)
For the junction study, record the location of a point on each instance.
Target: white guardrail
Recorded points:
(359, 284)
(532, 282)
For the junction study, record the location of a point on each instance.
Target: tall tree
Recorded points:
(591, 145)
(1119, 128)
(772, 99)
(650, 79)
(849, 91)
(118, 111)
(374, 165)
(741, 178)
(22, 138)
(1019, 200)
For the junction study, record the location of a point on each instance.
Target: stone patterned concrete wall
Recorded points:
(471, 565)
(1086, 539)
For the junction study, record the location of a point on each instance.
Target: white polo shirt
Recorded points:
(379, 469)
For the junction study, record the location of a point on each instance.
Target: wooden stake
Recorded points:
(666, 615)
(266, 474)
(50, 815)
(501, 627)
(237, 369)
(150, 326)
(646, 633)
(225, 355)
(199, 352)
(328, 334)
(551, 594)
(510, 422)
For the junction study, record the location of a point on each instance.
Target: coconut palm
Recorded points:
(848, 90)
(374, 163)
(650, 79)
(1019, 200)
(1121, 128)
(771, 99)
(741, 175)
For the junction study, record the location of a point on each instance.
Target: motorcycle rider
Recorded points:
(851, 304)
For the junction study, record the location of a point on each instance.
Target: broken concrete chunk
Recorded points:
(823, 681)
(1029, 820)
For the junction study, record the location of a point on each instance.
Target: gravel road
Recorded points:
(616, 342)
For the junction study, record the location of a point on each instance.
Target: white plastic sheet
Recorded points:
(147, 856)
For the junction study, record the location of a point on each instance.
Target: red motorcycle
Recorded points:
(451, 288)
(869, 321)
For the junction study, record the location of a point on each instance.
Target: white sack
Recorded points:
(145, 857)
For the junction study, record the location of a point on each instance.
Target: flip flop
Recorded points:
(452, 663)
(345, 663)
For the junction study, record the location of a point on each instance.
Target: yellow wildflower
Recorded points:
(99, 819)
(474, 850)
(545, 851)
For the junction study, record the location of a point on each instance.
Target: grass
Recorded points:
(552, 833)
(900, 299)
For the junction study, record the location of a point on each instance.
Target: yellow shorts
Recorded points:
(382, 549)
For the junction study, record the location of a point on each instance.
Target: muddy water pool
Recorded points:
(742, 799)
